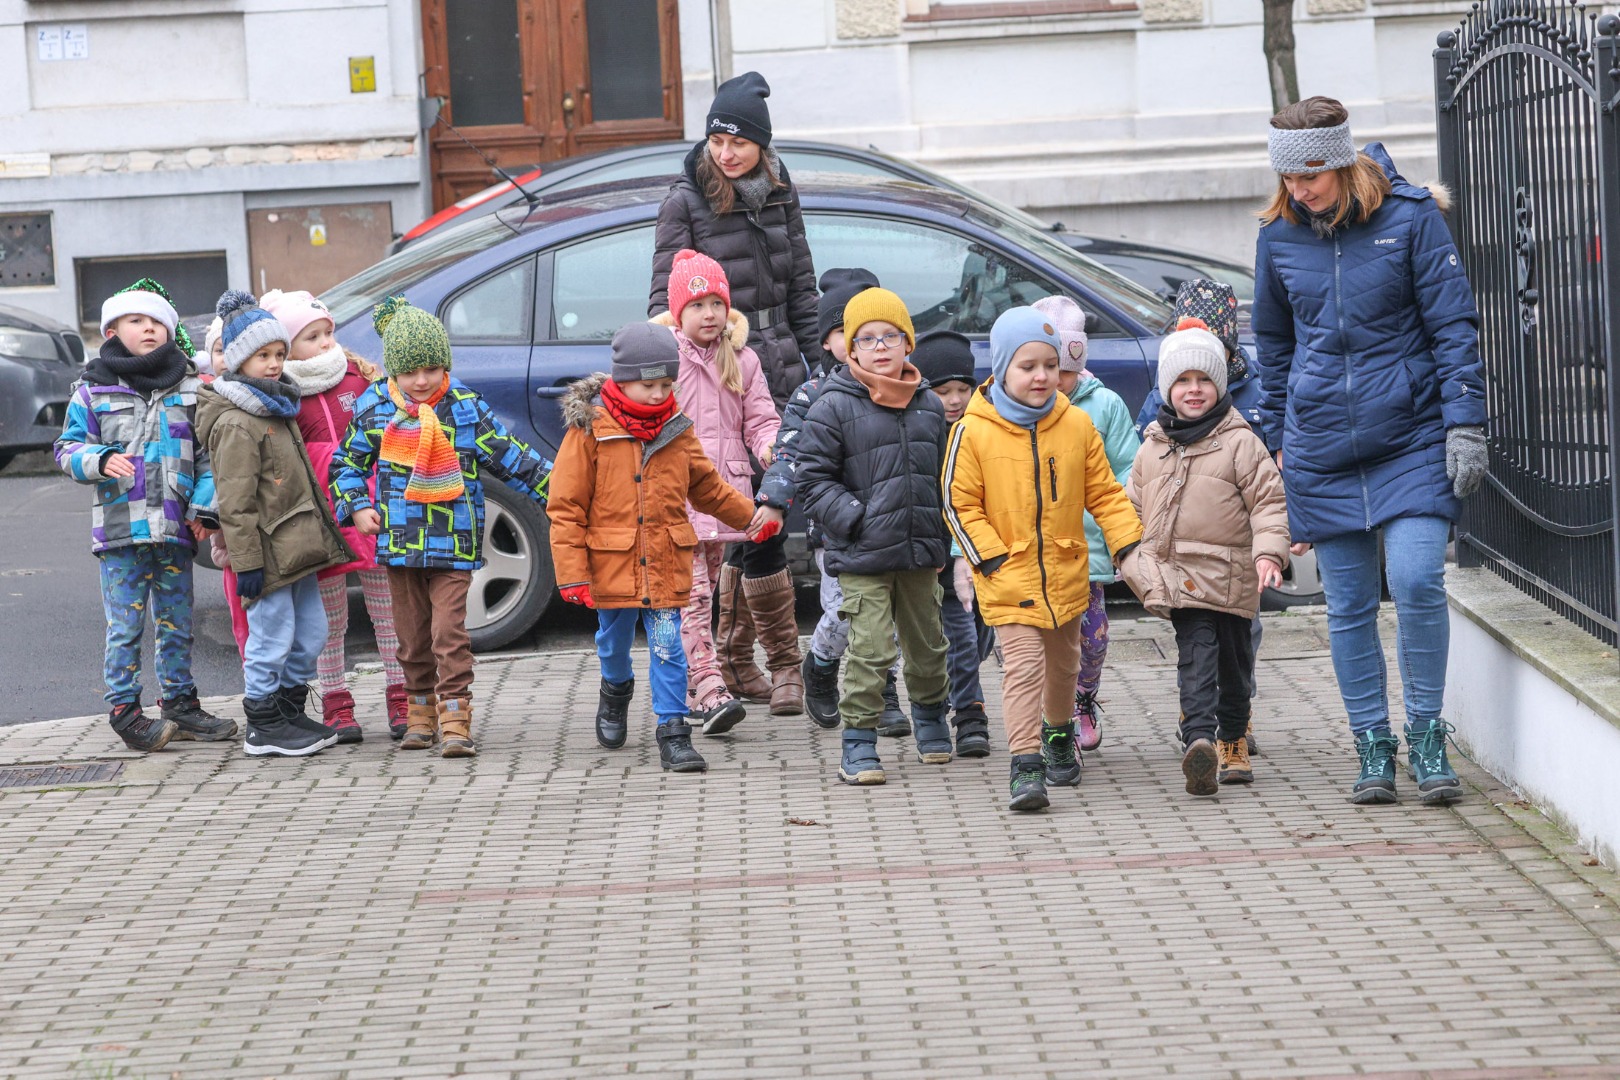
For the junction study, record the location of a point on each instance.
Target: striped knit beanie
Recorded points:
(245, 328)
(412, 339)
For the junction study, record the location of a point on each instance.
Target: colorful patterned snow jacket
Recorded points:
(173, 481)
(441, 536)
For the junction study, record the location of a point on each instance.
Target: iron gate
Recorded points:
(1526, 94)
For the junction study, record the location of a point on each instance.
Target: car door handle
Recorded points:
(551, 391)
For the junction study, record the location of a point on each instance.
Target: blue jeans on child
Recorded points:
(286, 632)
(616, 633)
(967, 642)
(1414, 557)
(135, 580)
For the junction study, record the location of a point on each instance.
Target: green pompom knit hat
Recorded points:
(412, 339)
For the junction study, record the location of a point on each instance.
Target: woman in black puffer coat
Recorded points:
(736, 204)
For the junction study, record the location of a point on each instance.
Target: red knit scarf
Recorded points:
(642, 421)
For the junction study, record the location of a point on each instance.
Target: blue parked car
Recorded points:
(531, 297)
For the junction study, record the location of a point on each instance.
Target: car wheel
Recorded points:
(516, 583)
(1301, 585)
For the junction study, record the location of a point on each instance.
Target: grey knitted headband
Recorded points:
(1307, 151)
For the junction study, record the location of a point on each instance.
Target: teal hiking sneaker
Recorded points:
(1027, 784)
(1057, 751)
(1427, 764)
(1376, 784)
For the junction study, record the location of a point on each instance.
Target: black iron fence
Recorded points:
(1529, 139)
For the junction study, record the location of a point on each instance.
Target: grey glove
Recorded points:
(1466, 459)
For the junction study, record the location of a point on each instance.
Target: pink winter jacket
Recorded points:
(728, 424)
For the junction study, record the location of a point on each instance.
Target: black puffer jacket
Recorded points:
(869, 476)
(767, 263)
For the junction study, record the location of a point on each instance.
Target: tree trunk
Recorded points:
(1278, 44)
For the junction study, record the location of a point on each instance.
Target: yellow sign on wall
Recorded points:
(362, 74)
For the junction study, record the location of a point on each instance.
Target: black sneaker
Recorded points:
(193, 722)
(892, 723)
(1057, 751)
(972, 731)
(675, 750)
(1027, 785)
(138, 730)
(820, 691)
(724, 712)
(270, 731)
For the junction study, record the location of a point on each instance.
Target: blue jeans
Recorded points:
(134, 580)
(616, 633)
(286, 632)
(967, 642)
(1414, 558)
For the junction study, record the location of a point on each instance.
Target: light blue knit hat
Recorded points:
(1015, 328)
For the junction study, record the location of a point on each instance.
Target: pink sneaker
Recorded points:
(1087, 728)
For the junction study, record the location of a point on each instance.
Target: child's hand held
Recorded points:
(1270, 573)
(578, 594)
(368, 521)
(118, 466)
(249, 584)
(766, 524)
(1298, 549)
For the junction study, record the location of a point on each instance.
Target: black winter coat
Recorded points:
(767, 263)
(869, 476)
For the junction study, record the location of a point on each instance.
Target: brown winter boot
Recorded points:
(771, 601)
(734, 641)
(421, 722)
(455, 729)
(1234, 758)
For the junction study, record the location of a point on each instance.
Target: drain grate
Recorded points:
(73, 772)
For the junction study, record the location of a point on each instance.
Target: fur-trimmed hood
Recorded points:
(736, 326)
(579, 404)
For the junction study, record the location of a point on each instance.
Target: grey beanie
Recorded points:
(1194, 348)
(1307, 151)
(644, 351)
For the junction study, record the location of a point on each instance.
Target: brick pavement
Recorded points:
(553, 909)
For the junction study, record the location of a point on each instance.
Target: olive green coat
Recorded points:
(271, 512)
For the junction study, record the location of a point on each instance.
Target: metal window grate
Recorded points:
(72, 772)
(26, 254)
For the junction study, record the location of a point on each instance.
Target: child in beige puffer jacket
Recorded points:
(1215, 533)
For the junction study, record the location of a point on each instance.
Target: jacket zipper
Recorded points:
(1040, 539)
(905, 460)
(1349, 377)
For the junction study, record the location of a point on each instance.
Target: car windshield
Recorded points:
(440, 248)
(1153, 312)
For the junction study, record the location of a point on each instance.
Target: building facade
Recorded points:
(268, 143)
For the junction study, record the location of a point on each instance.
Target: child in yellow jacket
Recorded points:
(1022, 468)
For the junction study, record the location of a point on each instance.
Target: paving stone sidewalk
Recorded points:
(552, 909)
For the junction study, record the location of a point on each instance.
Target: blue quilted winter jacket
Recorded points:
(1368, 351)
(443, 536)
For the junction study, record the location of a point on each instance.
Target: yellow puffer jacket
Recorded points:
(1024, 494)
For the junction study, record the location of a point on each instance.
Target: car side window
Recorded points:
(600, 283)
(800, 162)
(948, 281)
(496, 308)
(669, 165)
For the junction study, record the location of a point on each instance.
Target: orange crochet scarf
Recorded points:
(407, 440)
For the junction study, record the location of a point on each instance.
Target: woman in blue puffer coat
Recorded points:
(1369, 358)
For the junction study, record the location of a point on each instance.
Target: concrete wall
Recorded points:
(1147, 121)
(1537, 702)
(187, 113)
